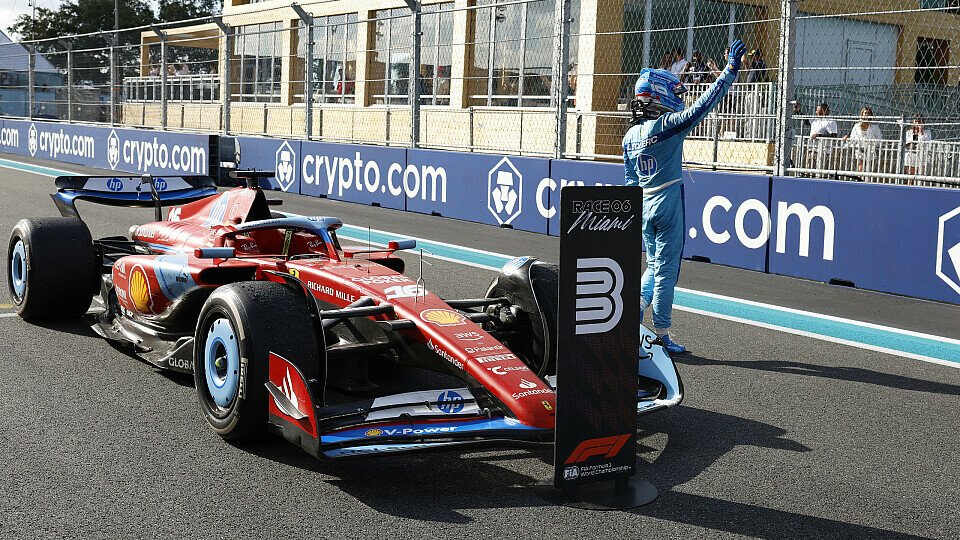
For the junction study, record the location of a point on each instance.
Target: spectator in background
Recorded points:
(666, 61)
(863, 134)
(757, 72)
(679, 62)
(823, 126)
(182, 70)
(822, 129)
(914, 157)
(154, 71)
(697, 71)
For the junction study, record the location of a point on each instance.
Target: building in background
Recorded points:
(486, 70)
(14, 81)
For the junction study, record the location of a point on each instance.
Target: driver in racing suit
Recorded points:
(652, 155)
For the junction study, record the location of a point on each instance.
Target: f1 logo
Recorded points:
(599, 302)
(603, 446)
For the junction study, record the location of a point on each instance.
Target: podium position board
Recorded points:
(599, 334)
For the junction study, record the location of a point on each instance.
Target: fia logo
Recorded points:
(32, 140)
(113, 149)
(505, 192)
(115, 184)
(571, 473)
(599, 303)
(285, 171)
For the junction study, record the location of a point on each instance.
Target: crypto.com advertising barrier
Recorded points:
(126, 150)
(598, 320)
(493, 189)
(898, 239)
(265, 154)
(363, 174)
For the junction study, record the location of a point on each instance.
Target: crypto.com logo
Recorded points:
(113, 149)
(603, 446)
(949, 244)
(285, 171)
(599, 303)
(505, 192)
(32, 140)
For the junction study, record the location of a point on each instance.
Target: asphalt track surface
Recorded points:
(780, 436)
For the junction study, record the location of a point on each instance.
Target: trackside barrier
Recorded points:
(898, 239)
(120, 149)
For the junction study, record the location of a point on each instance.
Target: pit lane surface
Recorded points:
(779, 436)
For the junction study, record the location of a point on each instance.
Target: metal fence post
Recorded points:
(225, 76)
(413, 76)
(785, 132)
(561, 72)
(31, 79)
(163, 75)
(307, 20)
(70, 89)
(113, 79)
(716, 139)
(902, 146)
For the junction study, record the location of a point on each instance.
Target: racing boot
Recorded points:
(672, 346)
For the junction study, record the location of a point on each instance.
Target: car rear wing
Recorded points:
(130, 191)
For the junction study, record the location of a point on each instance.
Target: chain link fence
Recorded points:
(830, 88)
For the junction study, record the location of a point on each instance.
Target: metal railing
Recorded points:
(529, 77)
(179, 88)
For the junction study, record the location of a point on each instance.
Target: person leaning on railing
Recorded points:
(864, 135)
(822, 129)
(913, 159)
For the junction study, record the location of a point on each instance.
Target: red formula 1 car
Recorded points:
(286, 330)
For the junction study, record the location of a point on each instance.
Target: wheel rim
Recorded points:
(18, 270)
(221, 359)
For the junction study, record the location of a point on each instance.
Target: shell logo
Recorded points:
(139, 289)
(442, 317)
(374, 432)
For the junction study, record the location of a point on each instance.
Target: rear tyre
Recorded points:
(239, 326)
(52, 268)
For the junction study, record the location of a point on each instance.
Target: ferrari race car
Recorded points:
(286, 330)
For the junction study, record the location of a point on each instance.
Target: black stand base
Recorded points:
(622, 495)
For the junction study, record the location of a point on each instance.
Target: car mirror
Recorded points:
(397, 245)
(215, 253)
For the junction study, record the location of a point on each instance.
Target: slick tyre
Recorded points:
(52, 268)
(239, 325)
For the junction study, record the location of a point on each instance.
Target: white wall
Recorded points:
(832, 42)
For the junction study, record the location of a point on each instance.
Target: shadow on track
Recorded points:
(843, 373)
(695, 440)
(437, 487)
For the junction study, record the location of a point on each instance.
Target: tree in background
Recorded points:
(92, 53)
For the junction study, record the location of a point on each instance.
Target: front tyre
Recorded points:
(52, 268)
(239, 326)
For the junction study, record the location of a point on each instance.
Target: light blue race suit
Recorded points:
(652, 155)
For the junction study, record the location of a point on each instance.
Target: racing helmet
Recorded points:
(657, 91)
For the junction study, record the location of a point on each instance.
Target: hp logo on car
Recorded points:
(160, 184)
(450, 402)
(115, 184)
